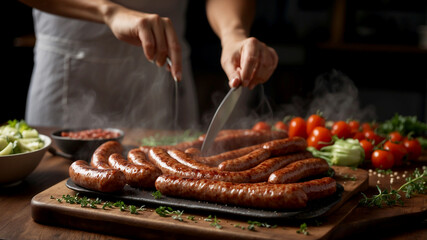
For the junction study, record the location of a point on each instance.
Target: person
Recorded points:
(88, 72)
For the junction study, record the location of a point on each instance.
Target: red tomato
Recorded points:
(413, 147)
(354, 125)
(341, 129)
(261, 126)
(395, 136)
(367, 147)
(398, 150)
(319, 137)
(314, 121)
(366, 126)
(281, 126)
(382, 159)
(297, 127)
(359, 136)
(372, 136)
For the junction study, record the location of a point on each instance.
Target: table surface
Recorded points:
(16, 221)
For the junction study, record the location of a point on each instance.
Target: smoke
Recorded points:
(334, 94)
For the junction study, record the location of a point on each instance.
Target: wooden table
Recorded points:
(16, 221)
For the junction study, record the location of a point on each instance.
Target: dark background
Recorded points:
(375, 44)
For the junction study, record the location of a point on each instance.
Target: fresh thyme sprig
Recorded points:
(415, 184)
(168, 211)
(93, 203)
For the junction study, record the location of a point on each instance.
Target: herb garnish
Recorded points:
(416, 183)
(93, 203)
(303, 229)
(252, 225)
(157, 195)
(166, 211)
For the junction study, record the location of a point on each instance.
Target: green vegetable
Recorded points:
(343, 152)
(404, 125)
(18, 137)
(423, 142)
(415, 184)
(158, 139)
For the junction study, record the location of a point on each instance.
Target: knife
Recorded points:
(169, 62)
(221, 116)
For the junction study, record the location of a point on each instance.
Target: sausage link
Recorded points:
(284, 146)
(259, 173)
(101, 154)
(245, 138)
(274, 196)
(187, 160)
(138, 157)
(102, 180)
(319, 188)
(298, 170)
(138, 176)
(180, 146)
(192, 152)
(245, 162)
(215, 160)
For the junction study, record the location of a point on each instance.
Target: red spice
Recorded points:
(91, 134)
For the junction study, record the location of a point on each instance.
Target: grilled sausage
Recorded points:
(245, 162)
(102, 180)
(274, 196)
(138, 176)
(259, 173)
(318, 188)
(101, 154)
(298, 170)
(284, 146)
(185, 159)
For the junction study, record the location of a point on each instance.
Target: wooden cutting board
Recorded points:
(148, 224)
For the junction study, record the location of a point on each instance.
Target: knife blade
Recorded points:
(175, 122)
(220, 117)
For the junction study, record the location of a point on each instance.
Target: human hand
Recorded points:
(156, 35)
(247, 62)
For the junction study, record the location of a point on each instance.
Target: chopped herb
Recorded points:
(215, 223)
(385, 172)
(252, 224)
(303, 229)
(416, 183)
(190, 218)
(157, 195)
(166, 211)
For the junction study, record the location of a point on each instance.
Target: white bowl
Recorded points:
(16, 167)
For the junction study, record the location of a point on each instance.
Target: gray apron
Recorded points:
(84, 77)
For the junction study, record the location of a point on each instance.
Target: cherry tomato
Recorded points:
(297, 127)
(319, 137)
(372, 136)
(315, 120)
(414, 148)
(354, 125)
(281, 126)
(366, 126)
(261, 126)
(359, 136)
(367, 147)
(395, 136)
(398, 150)
(341, 129)
(382, 159)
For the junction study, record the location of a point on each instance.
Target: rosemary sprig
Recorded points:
(415, 184)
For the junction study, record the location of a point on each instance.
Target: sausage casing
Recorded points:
(298, 170)
(139, 176)
(274, 196)
(245, 162)
(102, 180)
(101, 154)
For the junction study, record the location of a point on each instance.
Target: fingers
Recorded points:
(159, 41)
(258, 62)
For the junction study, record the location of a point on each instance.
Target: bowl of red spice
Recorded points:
(81, 143)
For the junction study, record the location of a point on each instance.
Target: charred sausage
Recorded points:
(245, 162)
(298, 170)
(139, 176)
(284, 146)
(274, 196)
(259, 173)
(102, 180)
